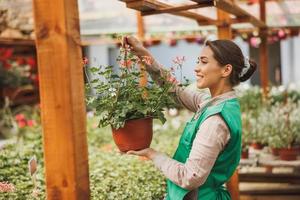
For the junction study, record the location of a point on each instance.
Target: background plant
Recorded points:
(16, 72)
(279, 124)
(112, 175)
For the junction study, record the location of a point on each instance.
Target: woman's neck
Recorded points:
(219, 90)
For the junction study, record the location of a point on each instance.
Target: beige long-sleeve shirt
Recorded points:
(211, 138)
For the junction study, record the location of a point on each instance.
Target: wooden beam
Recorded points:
(180, 8)
(270, 177)
(62, 99)
(140, 25)
(17, 41)
(232, 8)
(263, 51)
(224, 29)
(148, 6)
(141, 36)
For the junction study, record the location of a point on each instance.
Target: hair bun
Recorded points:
(245, 76)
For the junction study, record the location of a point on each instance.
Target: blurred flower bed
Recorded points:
(16, 71)
(274, 122)
(112, 175)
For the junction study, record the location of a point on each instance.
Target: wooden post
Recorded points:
(263, 51)
(233, 186)
(141, 36)
(62, 99)
(224, 29)
(225, 32)
(140, 25)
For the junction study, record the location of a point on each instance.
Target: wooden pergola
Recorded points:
(228, 13)
(62, 85)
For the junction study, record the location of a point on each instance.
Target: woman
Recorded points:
(210, 146)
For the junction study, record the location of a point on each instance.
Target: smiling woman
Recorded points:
(210, 146)
(222, 64)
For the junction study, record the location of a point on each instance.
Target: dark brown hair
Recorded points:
(227, 52)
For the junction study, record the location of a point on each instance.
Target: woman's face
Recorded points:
(208, 71)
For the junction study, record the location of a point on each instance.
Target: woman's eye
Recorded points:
(201, 61)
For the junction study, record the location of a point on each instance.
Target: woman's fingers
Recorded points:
(124, 41)
(132, 152)
(136, 46)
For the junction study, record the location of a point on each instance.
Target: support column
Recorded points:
(62, 99)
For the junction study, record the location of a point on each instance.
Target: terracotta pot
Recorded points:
(172, 42)
(257, 145)
(288, 153)
(275, 151)
(11, 93)
(190, 39)
(245, 154)
(155, 42)
(135, 135)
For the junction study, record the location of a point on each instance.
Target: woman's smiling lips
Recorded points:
(199, 77)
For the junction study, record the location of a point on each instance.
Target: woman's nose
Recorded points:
(197, 69)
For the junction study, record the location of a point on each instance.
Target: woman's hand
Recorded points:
(148, 152)
(137, 46)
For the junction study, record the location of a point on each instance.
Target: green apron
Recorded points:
(227, 160)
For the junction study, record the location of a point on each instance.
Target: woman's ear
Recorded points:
(227, 69)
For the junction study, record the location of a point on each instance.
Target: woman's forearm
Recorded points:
(157, 72)
(183, 96)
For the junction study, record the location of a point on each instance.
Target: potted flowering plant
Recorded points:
(127, 105)
(282, 132)
(16, 74)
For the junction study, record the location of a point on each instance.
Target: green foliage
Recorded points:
(112, 175)
(250, 99)
(14, 159)
(115, 176)
(8, 125)
(284, 128)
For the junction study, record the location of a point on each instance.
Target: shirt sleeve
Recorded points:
(211, 138)
(190, 99)
(184, 96)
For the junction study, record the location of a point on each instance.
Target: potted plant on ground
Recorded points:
(125, 104)
(281, 126)
(251, 104)
(247, 134)
(17, 75)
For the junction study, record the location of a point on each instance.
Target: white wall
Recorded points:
(290, 60)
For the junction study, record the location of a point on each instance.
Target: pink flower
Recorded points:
(126, 63)
(6, 54)
(31, 62)
(172, 79)
(179, 60)
(20, 117)
(95, 125)
(20, 61)
(85, 60)
(147, 59)
(22, 123)
(6, 187)
(6, 64)
(31, 122)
